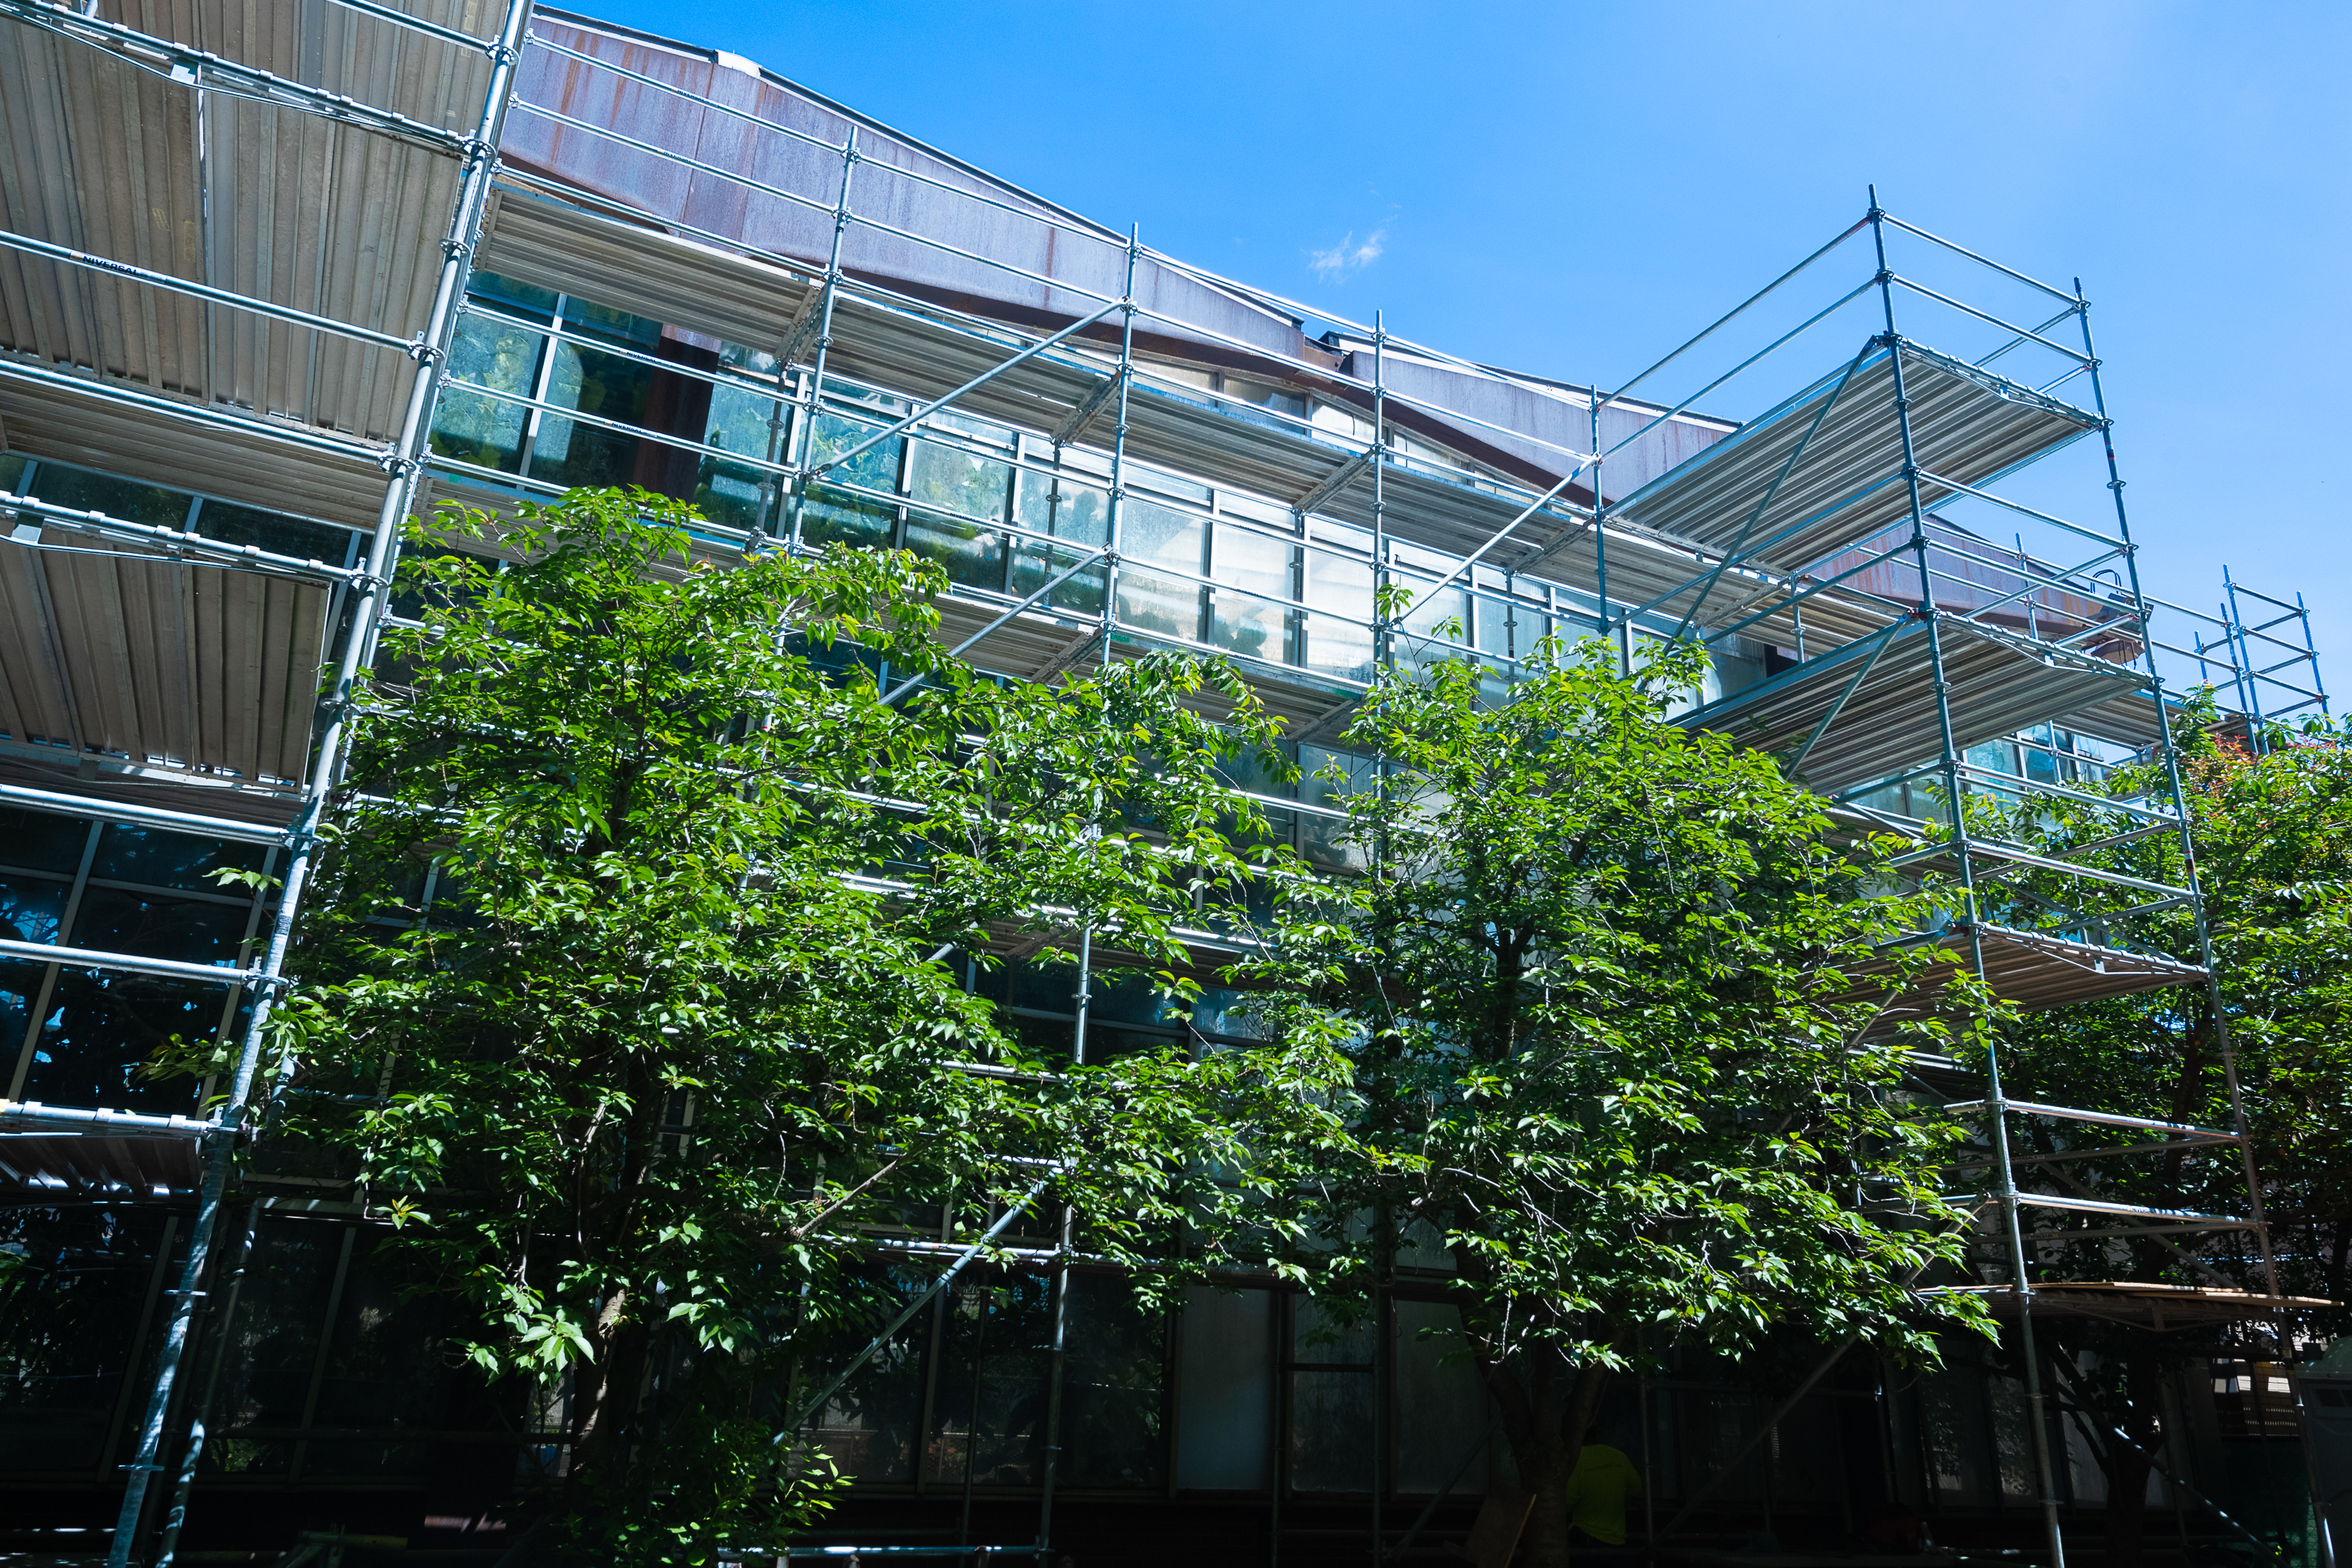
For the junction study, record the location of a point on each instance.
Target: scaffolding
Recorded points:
(1833, 548)
(332, 166)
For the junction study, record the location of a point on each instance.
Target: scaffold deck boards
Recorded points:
(1874, 701)
(143, 655)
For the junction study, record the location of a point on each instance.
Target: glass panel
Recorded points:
(1319, 838)
(1335, 646)
(596, 320)
(30, 909)
(1331, 1431)
(875, 469)
(958, 481)
(829, 516)
(70, 1304)
(1046, 987)
(1049, 503)
(1266, 395)
(1160, 604)
(149, 855)
(1033, 563)
(126, 499)
(113, 920)
(19, 984)
(1440, 1405)
(1112, 1386)
(568, 453)
(295, 536)
(101, 1028)
(12, 472)
(1492, 634)
(1342, 585)
(728, 492)
(384, 1369)
(1249, 560)
(1959, 1446)
(1164, 535)
(40, 842)
(274, 1346)
(974, 557)
(1223, 1420)
(1442, 615)
(472, 427)
(527, 299)
(868, 1424)
(994, 1362)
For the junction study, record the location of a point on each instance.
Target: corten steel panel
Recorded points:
(1041, 239)
(1560, 416)
(156, 658)
(1967, 424)
(322, 218)
(1067, 266)
(1997, 685)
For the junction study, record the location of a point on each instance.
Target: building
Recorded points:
(275, 278)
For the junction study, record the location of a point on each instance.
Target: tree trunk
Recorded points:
(1547, 1458)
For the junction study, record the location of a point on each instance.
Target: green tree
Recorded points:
(673, 1022)
(1607, 993)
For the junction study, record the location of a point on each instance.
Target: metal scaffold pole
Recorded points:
(1995, 1106)
(823, 322)
(2215, 1009)
(402, 464)
(1058, 1359)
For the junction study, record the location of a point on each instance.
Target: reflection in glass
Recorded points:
(274, 1345)
(569, 452)
(126, 499)
(39, 842)
(730, 493)
(102, 1029)
(68, 1303)
(990, 1424)
(868, 1424)
(875, 469)
(30, 909)
(1161, 604)
(829, 516)
(149, 855)
(1112, 1383)
(295, 536)
(473, 426)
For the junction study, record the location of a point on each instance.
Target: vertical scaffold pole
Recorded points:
(1601, 547)
(1059, 1359)
(2220, 1015)
(402, 464)
(1384, 643)
(1996, 1105)
(1382, 639)
(815, 398)
(2233, 626)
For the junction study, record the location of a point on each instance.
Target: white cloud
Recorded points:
(1347, 256)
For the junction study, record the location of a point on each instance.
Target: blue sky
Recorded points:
(1571, 189)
